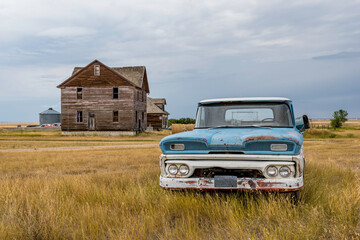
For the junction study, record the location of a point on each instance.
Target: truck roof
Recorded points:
(246, 99)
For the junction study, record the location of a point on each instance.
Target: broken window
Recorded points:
(116, 116)
(96, 70)
(79, 116)
(115, 93)
(79, 93)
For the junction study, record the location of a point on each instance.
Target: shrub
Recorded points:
(181, 121)
(339, 117)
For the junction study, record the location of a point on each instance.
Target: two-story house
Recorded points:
(101, 98)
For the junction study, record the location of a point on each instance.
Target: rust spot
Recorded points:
(293, 133)
(204, 182)
(191, 182)
(268, 184)
(252, 184)
(257, 138)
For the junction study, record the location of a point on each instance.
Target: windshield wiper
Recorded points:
(259, 126)
(246, 126)
(225, 126)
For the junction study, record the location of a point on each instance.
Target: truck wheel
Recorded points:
(294, 197)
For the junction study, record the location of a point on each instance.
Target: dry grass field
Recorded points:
(114, 193)
(13, 125)
(176, 128)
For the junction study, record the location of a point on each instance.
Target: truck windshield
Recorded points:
(240, 115)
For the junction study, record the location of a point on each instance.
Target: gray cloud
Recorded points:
(337, 56)
(192, 49)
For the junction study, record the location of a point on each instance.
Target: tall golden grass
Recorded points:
(115, 194)
(176, 128)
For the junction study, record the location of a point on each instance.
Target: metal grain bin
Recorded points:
(49, 116)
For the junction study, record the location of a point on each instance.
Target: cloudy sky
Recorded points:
(306, 50)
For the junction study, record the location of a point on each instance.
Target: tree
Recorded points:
(181, 121)
(339, 117)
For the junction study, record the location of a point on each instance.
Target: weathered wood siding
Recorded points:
(140, 108)
(98, 100)
(154, 120)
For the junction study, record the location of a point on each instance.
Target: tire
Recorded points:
(294, 197)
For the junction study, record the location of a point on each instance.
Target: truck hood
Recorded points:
(242, 140)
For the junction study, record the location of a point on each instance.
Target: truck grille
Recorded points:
(240, 173)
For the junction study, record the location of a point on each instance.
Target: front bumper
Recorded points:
(247, 184)
(233, 161)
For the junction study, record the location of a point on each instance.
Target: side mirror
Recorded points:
(302, 123)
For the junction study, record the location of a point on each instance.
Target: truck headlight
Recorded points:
(272, 171)
(173, 169)
(278, 147)
(285, 171)
(184, 170)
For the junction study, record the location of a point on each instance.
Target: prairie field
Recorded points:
(81, 187)
(14, 125)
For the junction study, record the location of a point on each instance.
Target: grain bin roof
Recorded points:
(50, 111)
(152, 108)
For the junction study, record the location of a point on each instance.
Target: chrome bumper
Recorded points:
(233, 161)
(249, 184)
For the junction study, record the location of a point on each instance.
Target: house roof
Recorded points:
(159, 100)
(135, 74)
(152, 108)
(248, 99)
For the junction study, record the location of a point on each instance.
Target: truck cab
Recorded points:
(251, 144)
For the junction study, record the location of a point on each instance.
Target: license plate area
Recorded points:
(225, 181)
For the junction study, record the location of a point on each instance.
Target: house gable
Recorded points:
(85, 77)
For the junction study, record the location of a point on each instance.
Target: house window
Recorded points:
(96, 70)
(142, 116)
(79, 117)
(79, 93)
(116, 116)
(115, 93)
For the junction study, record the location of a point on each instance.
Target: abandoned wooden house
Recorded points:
(101, 98)
(157, 117)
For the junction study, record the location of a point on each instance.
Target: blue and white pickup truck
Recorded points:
(251, 144)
